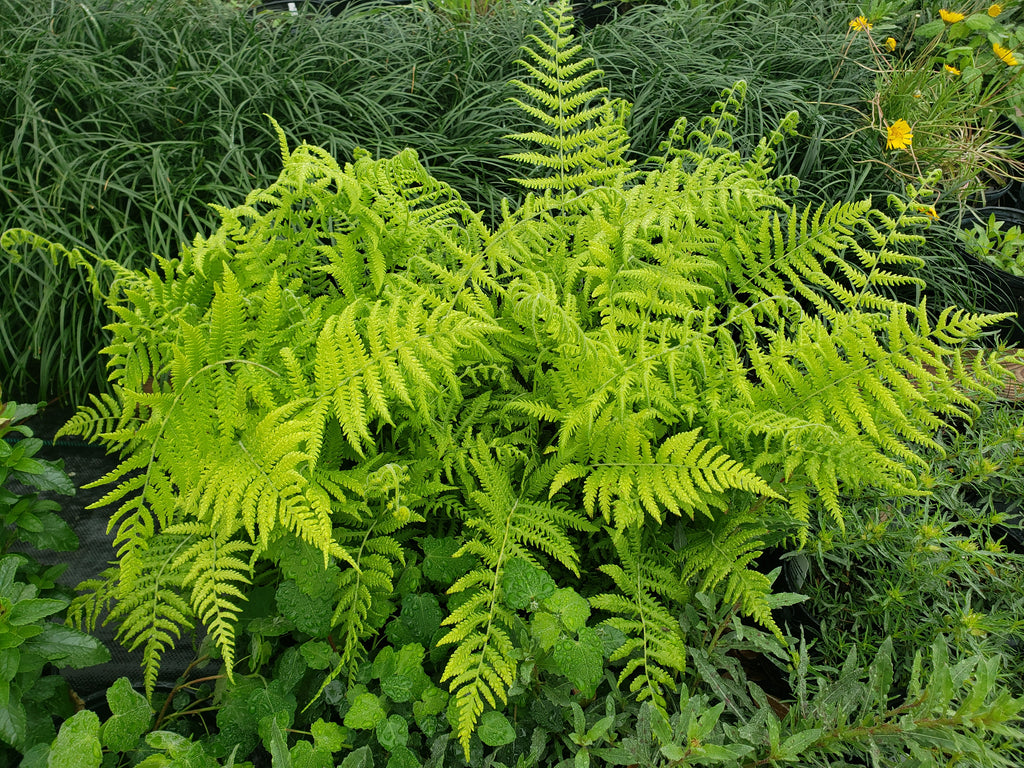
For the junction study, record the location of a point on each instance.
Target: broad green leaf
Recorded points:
(311, 615)
(403, 757)
(494, 729)
(432, 702)
(931, 29)
(418, 620)
(78, 743)
(168, 741)
(305, 755)
(393, 732)
(546, 629)
(31, 611)
(405, 679)
(279, 756)
(13, 722)
(673, 752)
(581, 660)
(130, 717)
(524, 585)
(366, 711)
(47, 476)
(978, 21)
(358, 758)
(572, 609)
(66, 647)
(54, 533)
(327, 735)
(319, 655)
(10, 660)
(439, 565)
(36, 757)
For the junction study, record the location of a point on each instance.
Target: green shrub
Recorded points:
(653, 370)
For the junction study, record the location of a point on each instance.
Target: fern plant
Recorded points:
(354, 352)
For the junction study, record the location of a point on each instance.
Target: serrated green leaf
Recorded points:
(545, 629)
(319, 655)
(36, 757)
(327, 735)
(305, 755)
(168, 741)
(581, 660)
(931, 29)
(524, 585)
(673, 752)
(494, 729)
(279, 755)
(421, 617)
(366, 711)
(13, 721)
(31, 611)
(46, 476)
(67, 647)
(78, 742)
(571, 609)
(53, 533)
(438, 564)
(358, 758)
(130, 717)
(392, 732)
(309, 614)
(10, 661)
(403, 757)
(431, 702)
(978, 21)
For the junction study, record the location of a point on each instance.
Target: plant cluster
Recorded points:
(950, 564)
(645, 372)
(121, 122)
(1002, 248)
(947, 93)
(31, 646)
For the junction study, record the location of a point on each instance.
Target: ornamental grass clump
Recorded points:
(947, 95)
(665, 365)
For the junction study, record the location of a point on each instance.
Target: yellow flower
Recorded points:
(890, 43)
(931, 213)
(952, 70)
(951, 17)
(994, 10)
(899, 135)
(1005, 54)
(860, 24)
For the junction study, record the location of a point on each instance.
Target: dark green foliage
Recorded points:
(32, 645)
(913, 569)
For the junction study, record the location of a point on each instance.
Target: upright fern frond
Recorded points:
(581, 146)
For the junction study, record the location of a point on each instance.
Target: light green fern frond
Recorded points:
(654, 650)
(151, 609)
(505, 525)
(581, 146)
(213, 569)
(723, 549)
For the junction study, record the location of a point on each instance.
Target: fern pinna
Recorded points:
(664, 363)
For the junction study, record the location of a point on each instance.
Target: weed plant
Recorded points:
(951, 563)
